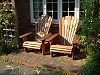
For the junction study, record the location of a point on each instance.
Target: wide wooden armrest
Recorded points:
(45, 37)
(25, 35)
(76, 39)
(52, 37)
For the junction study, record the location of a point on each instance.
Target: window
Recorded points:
(38, 8)
(54, 8)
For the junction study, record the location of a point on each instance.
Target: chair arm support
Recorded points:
(76, 39)
(98, 35)
(52, 37)
(25, 35)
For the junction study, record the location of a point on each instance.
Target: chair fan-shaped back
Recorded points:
(42, 26)
(67, 29)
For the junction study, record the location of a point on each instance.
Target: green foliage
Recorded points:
(90, 39)
(90, 30)
(88, 6)
(92, 66)
(7, 20)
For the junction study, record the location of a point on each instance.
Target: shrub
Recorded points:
(90, 39)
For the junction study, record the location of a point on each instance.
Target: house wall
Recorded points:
(23, 15)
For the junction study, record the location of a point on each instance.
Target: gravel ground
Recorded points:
(8, 68)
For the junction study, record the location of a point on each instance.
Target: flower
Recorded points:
(6, 21)
(4, 4)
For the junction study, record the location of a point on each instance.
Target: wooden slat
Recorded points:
(71, 31)
(63, 51)
(74, 29)
(61, 47)
(68, 27)
(62, 28)
(24, 35)
(45, 37)
(32, 44)
(65, 29)
(33, 47)
(52, 37)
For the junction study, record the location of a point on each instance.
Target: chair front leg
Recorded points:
(25, 49)
(43, 48)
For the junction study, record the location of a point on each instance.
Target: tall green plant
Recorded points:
(90, 39)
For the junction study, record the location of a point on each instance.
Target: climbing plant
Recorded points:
(7, 27)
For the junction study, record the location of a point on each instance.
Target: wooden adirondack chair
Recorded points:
(42, 26)
(66, 36)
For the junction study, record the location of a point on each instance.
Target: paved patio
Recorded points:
(9, 68)
(61, 63)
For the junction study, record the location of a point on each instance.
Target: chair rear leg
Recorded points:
(69, 55)
(51, 53)
(73, 57)
(73, 53)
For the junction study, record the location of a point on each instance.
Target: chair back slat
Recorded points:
(67, 29)
(61, 29)
(70, 34)
(42, 26)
